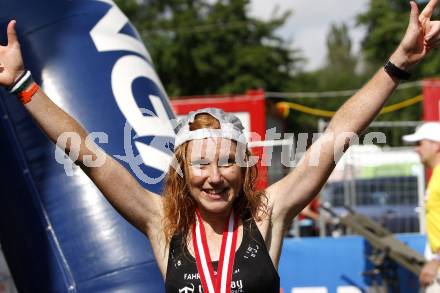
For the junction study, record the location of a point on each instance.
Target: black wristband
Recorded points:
(395, 71)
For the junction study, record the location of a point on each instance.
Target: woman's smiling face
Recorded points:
(213, 176)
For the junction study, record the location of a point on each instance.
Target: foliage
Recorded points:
(210, 47)
(385, 23)
(340, 72)
(206, 47)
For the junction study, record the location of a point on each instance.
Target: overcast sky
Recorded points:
(310, 22)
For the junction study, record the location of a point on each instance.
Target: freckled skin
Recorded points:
(214, 179)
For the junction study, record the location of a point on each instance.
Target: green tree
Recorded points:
(339, 54)
(385, 22)
(339, 72)
(200, 47)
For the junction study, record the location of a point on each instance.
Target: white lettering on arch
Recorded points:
(106, 37)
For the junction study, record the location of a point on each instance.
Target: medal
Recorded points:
(222, 282)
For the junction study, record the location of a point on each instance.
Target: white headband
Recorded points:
(230, 127)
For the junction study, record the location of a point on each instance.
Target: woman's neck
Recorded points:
(215, 222)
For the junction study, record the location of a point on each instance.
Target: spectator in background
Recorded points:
(427, 138)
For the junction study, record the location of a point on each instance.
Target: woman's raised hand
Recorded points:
(11, 62)
(421, 35)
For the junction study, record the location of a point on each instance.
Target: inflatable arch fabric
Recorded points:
(57, 232)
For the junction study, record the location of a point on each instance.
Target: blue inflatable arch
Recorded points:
(57, 231)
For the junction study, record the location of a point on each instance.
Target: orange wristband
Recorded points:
(26, 95)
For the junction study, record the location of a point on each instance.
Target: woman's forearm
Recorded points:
(358, 112)
(54, 121)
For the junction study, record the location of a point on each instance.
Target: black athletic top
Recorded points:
(253, 268)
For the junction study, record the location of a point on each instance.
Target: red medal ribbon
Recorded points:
(222, 282)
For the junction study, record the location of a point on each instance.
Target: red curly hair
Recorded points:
(179, 206)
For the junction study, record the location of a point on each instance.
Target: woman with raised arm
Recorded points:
(210, 217)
